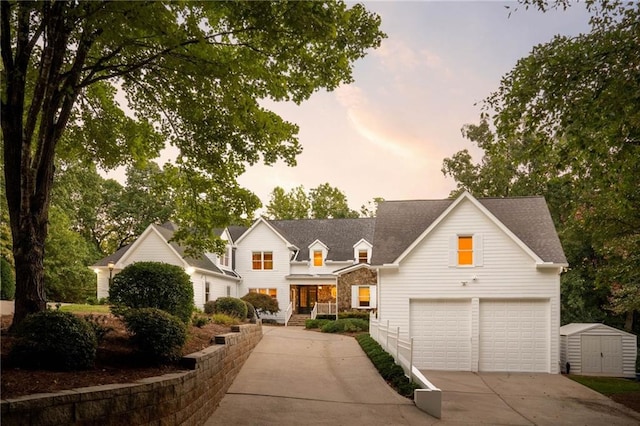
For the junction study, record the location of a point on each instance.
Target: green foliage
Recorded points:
(98, 324)
(209, 307)
(607, 385)
(263, 303)
(360, 314)
(230, 306)
(154, 285)
(288, 205)
(54, 340)
(7, 280)
(384, 363)
(251, 311)
(200, 320)
(345, 325)
(224, 319)
(156, 333)
(316, 323)
(328, 202)
(322, 202)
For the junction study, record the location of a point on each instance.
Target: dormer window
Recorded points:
(363, 256)
(317, 258)
(362, 251)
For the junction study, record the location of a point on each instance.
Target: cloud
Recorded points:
(398, 57)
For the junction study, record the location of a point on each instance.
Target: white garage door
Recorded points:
(441, 331)
(514, 335)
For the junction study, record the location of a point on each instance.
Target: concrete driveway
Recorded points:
(524, 399)
(296, 377)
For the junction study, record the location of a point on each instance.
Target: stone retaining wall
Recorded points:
(188, 397)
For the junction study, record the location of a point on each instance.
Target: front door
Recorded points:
(307, 297)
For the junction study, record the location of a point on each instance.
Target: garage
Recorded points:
(514, 335)
(597, 349)
(441, 331)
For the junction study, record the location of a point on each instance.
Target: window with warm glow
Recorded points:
(273, 292)
(363, 256)
(262, 260)
(364, 296)
(465, 250)
(317, 258)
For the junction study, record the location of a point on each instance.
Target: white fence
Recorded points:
(429, 398)
(330, 308)
(288, 313)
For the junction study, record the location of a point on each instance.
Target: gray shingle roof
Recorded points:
(339, 235)
(399, 223)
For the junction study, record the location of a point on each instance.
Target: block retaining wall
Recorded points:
(184, 398)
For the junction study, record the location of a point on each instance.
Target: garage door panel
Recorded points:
(441, 331)
(514, 335)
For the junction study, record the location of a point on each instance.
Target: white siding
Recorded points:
(262, 238)
(103, 283)
(507, 272)
(573, 351)
(152, 248)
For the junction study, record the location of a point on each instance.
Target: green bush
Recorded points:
(98, 324)
(7, 280)
(224, 319)
(345, 325)
(230, 306)
(315, 323)
(263, 303)
(251, 311)
(363, 315)
(330, 317)
(200, 320)
(384, 363)
(154, 285)
(209, 307)
(54, 340)
(156, 333)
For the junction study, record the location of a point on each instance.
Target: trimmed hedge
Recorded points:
(384, 363)
(54, 340)
(231, 306)
(7, 280)
(251, 311)
(156, 333)
(209, 307)
(363, 315)
(154, 285)
(315, 323)
(263, 303)
(345, 325)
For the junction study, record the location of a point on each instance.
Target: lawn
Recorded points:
(608, 385)
(84, 308)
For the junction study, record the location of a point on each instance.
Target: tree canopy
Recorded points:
(113, 82)
(565, 123)
(321, 202)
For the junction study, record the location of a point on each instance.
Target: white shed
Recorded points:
(598, 350)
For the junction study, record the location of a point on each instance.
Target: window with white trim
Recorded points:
(317, 258)
(273, 292)
(466, 250)
(262, 260)
(207, 290)
(363, 256)
(363, 296)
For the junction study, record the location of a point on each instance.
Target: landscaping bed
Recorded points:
(622, 391)
(116, 360)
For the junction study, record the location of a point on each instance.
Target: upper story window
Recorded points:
(226, 257)
(262, 260)
(273, 292)
(317, 258)
(465, 250)
(363, 256)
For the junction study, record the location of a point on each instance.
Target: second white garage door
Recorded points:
(441, 331)
(514, 335)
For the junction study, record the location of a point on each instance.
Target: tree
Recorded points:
(328, 202)
(371, 208)
(191, 74)
(294, 204)
(567, 125)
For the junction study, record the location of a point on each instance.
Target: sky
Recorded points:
(387, 133)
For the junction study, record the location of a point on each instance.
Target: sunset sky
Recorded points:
(386, 134)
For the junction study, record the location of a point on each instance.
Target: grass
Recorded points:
(84, 308)
(608, 385)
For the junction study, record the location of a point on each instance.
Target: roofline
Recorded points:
(138, 241)
(317, 240)
(266, 222)
(466, 195)
(351, 268)
(220, 274)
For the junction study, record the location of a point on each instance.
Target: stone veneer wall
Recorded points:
(183, 398)
(362, 276)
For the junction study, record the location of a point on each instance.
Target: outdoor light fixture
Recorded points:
(110, 265)
(190, 270)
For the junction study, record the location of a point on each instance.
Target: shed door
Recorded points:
(441, 331)
(514, 335)
(602, 354)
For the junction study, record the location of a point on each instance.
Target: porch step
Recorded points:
(298, 319)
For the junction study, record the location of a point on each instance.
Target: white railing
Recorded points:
(288, 313)
(429, 398)
(330, 308)
(314, 311)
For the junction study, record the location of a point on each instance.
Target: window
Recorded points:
(317, 258)
(363, 296)
(207, 290)
(262, 260)
(465, 250)
(228, 291)
(363, 256)
(273, 292)
(225, 257)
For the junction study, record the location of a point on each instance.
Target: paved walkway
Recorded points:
(295, 377)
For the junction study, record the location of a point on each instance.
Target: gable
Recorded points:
(151, 247)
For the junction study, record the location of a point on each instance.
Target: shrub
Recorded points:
(345, 325)
(54, 340)
(156, 333)
(98, 324)
(224, 319)
(384, 363)
(200, 320)
(262, 302)
(330, 317)
(251, 311)
(7, 280)
(315, 323)
(209, 307)
(230, 306)
(363, 315)
(154, 285)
